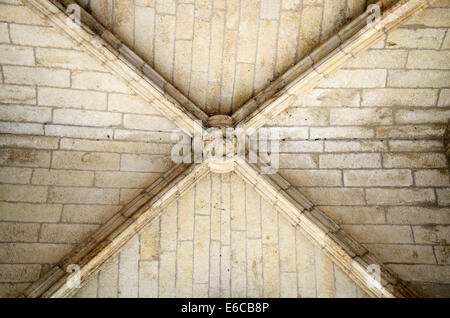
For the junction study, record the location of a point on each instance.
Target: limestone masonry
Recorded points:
(86, 122)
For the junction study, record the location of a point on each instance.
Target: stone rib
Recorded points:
(109, 239)
(346, 252)
(122, 62)
(352, 40)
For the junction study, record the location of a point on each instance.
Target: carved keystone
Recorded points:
(225, 161)
(220, 121)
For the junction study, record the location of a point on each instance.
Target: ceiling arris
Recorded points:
(221, 53)
(368, 149)
(365, 147)
(221, 239)
(76, 145)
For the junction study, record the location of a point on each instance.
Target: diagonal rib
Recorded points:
(109, 239)
(347, 253)
(352, 40)
(122, 62)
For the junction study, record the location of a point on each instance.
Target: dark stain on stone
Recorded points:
(21, 156)
(428, 226)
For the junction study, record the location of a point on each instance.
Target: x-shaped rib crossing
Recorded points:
(348, 254)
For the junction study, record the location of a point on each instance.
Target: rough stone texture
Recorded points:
(208, 255)
(74, 146)
(220, 56)
(377, 161)
(419, 180)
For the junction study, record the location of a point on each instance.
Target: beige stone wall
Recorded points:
(221, 52)
(366, 146)
(221, 239)
(76, 145)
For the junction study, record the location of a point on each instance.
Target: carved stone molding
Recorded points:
(121, 61)
(108, 240)
(348, 254)
(353, 39)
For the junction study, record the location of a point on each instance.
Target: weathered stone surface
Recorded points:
(337, 191)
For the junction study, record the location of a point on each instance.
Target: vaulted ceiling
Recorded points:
(365, 146)
(221, 53)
